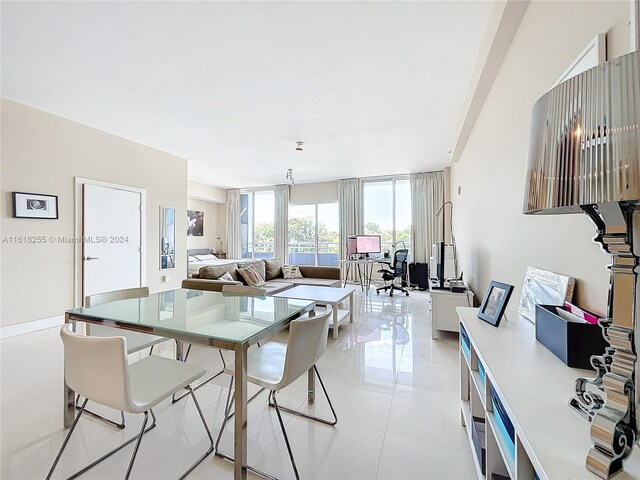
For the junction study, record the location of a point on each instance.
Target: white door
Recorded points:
(111, 229)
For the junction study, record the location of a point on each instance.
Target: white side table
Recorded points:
(443, 305)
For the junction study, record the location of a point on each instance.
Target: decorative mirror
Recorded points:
(167, 238)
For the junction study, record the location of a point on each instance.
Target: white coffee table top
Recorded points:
(318, 294)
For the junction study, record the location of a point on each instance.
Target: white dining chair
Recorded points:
(244, 291)
(136, 341)
(97, 368)
(277, 365)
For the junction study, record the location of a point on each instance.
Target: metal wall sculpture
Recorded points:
(584, 156)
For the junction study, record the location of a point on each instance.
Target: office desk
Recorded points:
(203, 318)
(364, 268)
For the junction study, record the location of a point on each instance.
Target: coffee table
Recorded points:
(324, 296)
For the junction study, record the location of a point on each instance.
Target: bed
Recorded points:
(202, 257)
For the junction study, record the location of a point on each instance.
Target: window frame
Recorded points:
(393, 180)
(315, 204)
(252, 216)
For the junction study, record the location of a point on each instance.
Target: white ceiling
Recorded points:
(372, 88)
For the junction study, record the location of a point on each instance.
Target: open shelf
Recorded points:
(509, 459)
(480, 387)
(550, 440)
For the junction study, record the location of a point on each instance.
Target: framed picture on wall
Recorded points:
(495, 302)
(35, 205)
(195, 223)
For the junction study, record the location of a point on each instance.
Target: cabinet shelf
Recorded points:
(509, 460)
(550, 440)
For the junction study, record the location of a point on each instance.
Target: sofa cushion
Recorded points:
(273, 268)
(291, 271)
(311, 271)
(275, 287)
(251, 276)
(316, 282)
(213, 272)
(258, 265)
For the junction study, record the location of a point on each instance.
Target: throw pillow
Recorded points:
(251, 276)
(258, 266)
(215, 272)
(226, 277)
(291, 271)
(273, 268)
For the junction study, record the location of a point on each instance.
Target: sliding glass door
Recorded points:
(387, 212)
(257, 223)
(313, 234)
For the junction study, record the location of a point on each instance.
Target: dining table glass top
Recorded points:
(211, 315)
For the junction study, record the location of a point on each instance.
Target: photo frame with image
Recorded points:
(495, 302)
(35, 205)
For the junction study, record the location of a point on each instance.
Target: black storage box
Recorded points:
(479, 442)
(573, 342)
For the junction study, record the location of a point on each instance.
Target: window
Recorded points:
(313, 234)
(387, 211)
(256, 219)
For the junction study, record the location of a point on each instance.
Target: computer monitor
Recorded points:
(352, 244)
(368, 244)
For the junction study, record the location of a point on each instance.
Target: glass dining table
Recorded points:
(211, 319)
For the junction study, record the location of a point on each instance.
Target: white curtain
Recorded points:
(350, 205)
(234, 232)
(427, 196)
(281, 223)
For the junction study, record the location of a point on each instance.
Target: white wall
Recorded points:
(495, 240)
(314, 192)
(43, 153)
(214, 225)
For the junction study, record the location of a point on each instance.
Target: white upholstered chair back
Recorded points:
(306, 344)
(97, 368)
(245, 291)
(115, 295)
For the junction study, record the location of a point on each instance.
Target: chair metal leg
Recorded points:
(117, 449)
(137, 446)
(206, 427)
(66, 439)
(107, 455)
(175, 398)
(102, 418)
(306, 415)
(286, 438)
(227, 417)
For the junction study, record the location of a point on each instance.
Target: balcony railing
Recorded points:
(300, 253)
(304, 253)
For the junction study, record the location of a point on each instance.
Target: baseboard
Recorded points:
(28, 327)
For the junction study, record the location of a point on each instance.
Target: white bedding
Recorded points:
(194, 267)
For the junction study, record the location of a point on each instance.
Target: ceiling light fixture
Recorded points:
(299, 146)
(290, 175)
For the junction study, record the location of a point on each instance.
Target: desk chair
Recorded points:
(97, 368)
(136, 341)
(398, 271)
(277, 365)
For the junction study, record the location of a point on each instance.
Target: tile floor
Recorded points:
(394, 389)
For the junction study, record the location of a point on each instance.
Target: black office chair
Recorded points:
(398, 270)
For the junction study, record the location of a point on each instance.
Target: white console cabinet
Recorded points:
(443, 305)
(533, 388)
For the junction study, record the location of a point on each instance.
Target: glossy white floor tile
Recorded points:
(394, 390)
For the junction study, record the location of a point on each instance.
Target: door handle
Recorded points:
(91, 258)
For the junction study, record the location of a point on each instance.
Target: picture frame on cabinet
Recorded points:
(495, 302)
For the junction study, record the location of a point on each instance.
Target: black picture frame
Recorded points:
(495, 302)
(35, 205)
